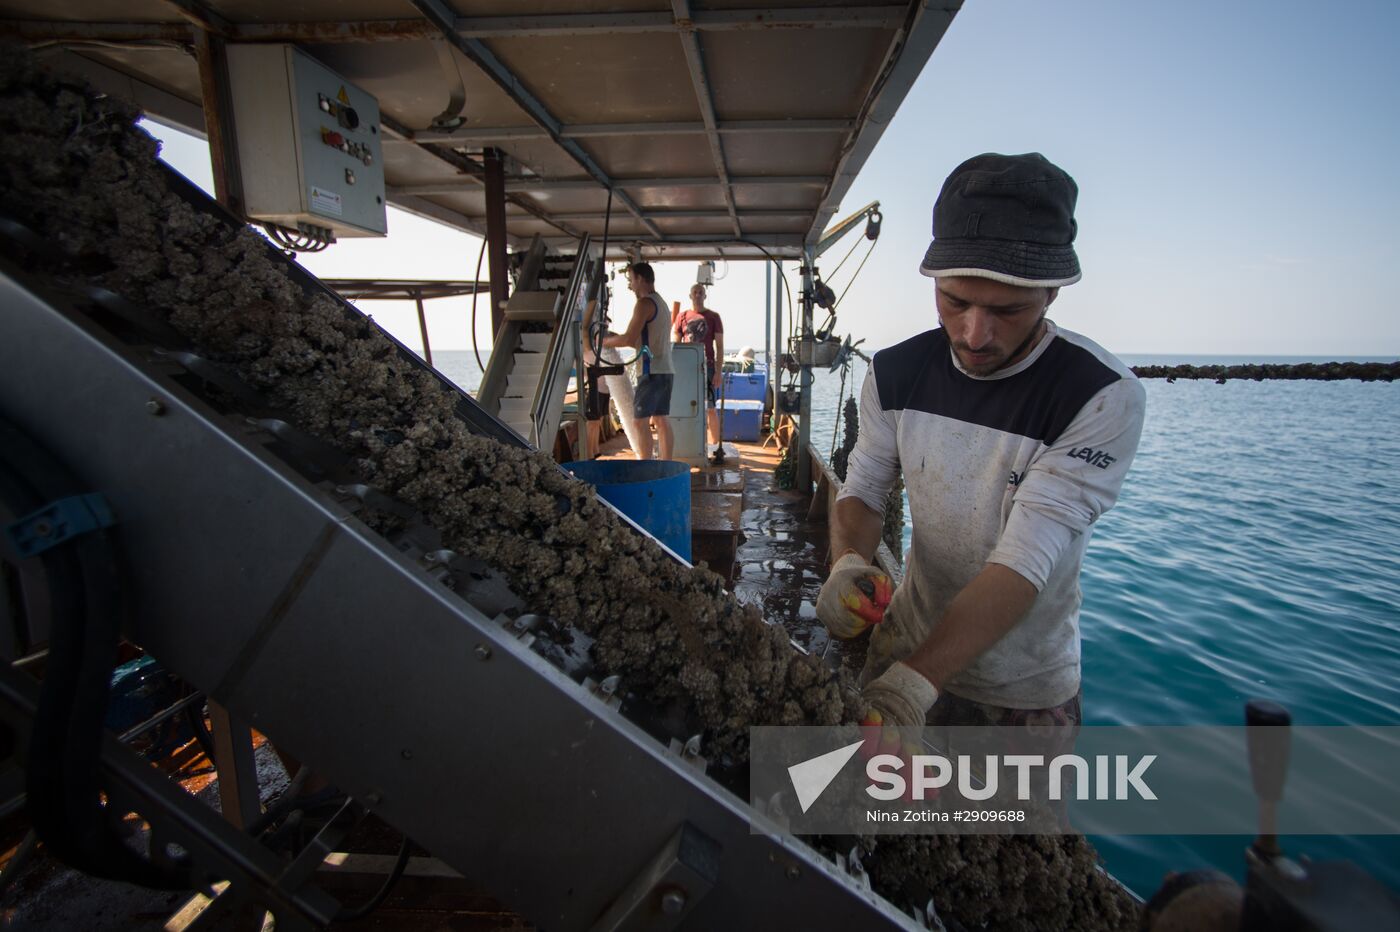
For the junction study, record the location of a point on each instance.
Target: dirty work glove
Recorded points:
(899, 696)
(854, 596)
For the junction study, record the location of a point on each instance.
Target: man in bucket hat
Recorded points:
(1013, 436)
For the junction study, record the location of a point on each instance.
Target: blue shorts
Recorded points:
(653, 395)
(711, 395)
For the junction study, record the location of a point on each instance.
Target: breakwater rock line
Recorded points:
(1257, 372)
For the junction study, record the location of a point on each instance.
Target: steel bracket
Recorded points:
(689, 752)
(58, 522)
(669, 887)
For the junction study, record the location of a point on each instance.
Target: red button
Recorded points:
(333, 139)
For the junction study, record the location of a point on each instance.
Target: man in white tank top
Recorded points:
(649, 332)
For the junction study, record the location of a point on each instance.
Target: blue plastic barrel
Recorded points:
(653, 493)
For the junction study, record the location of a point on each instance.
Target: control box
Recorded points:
(309, 148)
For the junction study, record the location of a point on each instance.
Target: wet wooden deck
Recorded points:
(779, 542)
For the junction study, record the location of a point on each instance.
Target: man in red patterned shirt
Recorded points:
(699, 324)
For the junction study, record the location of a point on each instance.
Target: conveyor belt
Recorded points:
(409, 676)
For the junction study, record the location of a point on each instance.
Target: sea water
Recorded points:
(1254, 552)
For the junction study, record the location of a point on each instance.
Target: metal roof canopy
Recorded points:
(719, 128)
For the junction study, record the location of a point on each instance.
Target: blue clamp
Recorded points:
(59, 521)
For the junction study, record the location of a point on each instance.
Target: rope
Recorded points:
(840, 401)
(856, 274)
(833, 272)
(476, 287)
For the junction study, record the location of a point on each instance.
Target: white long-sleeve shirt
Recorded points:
(1011, 468)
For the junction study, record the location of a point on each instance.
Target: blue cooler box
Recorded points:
(745, 386)
(742, 420)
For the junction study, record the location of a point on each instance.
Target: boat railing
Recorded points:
(828, 486)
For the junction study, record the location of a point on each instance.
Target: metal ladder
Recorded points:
(538, 345)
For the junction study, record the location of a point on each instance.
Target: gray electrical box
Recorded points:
(308, 143)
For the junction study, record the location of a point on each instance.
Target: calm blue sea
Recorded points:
(1254, 551)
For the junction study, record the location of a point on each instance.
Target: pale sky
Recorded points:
(1235, 161)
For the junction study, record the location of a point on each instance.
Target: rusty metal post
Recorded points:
(805, 339)
(218, 120)
(496, 237)
(423, 328)
(233, 759)
(233, 740)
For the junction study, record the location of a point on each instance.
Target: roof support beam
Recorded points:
(484, 135)
(573, 24)
(874, 17)
(372, 30)
(910, 47)
(561, 24)
(521, 186)
(445, 20)
(323, 33)
(203, 17)
(596, 216)
(467, 168)
(703, 245)
(46, 32)
(474, 225)
(430, 211)
(695, 61)
(580, 131)
(477, 27)
(773, 239)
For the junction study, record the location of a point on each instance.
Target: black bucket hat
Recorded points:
(1006, 217)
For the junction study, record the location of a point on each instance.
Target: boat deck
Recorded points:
(766, 541)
